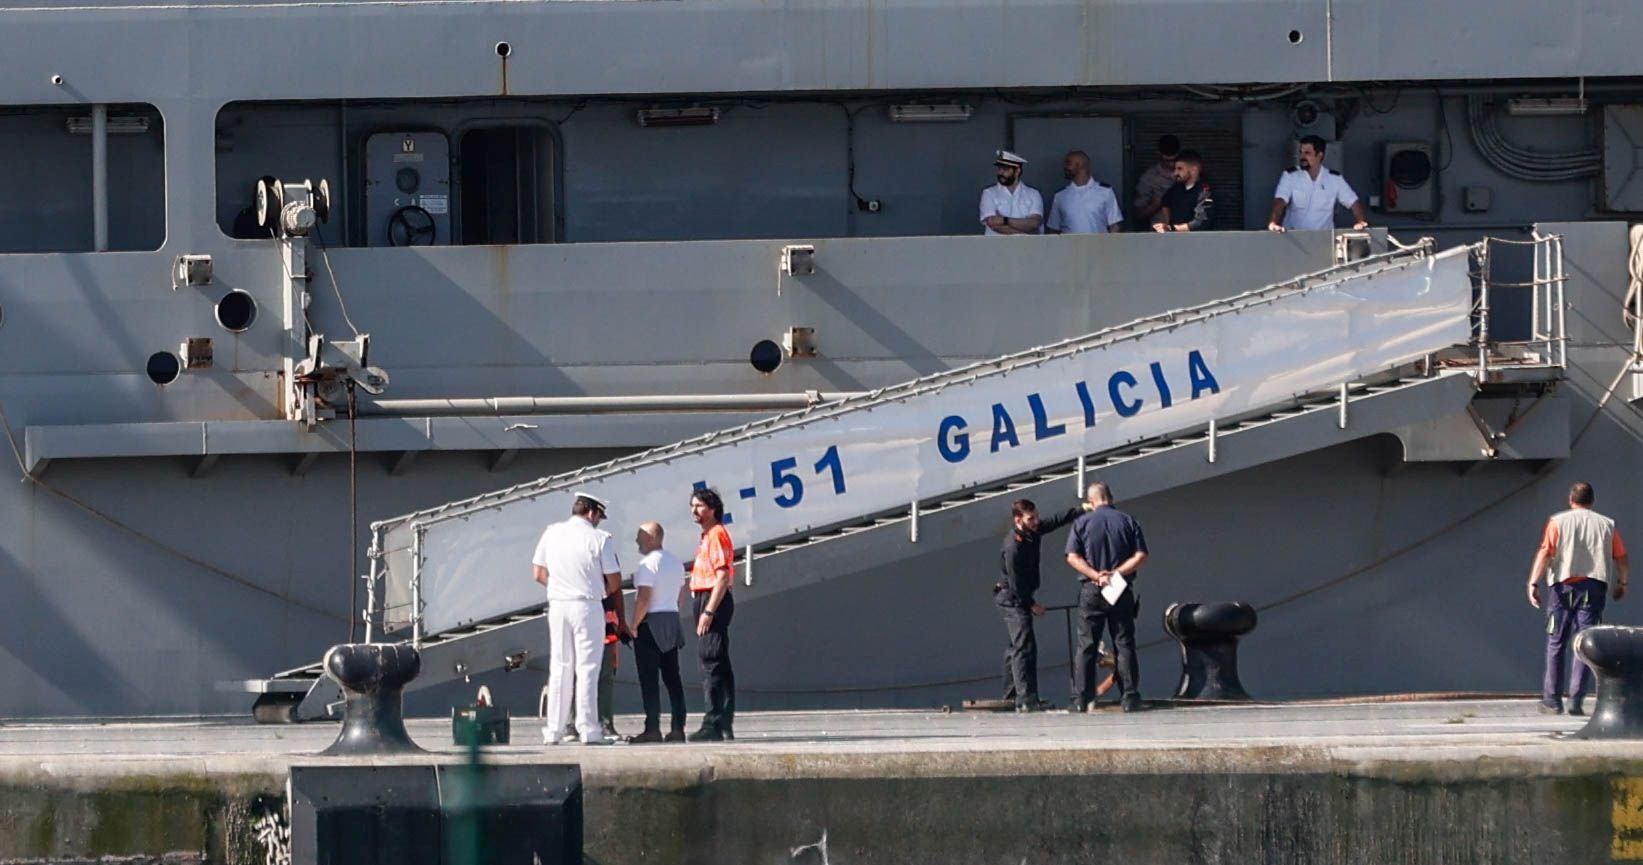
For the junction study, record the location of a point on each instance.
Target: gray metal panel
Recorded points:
(1528, 431)
(1623, 157)
(483, 433)
(1597, 254)
(725, 46)
(582, 319)
(745, 46)
(1413, 39)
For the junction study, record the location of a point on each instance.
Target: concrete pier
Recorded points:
(1455, 781)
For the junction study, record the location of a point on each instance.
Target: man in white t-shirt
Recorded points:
(657, 634)
(1011, 206)
(577, 562)
(1086, 205)
(1306, 196)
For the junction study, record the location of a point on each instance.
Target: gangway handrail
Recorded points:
(1133, 330)
(1548, 326)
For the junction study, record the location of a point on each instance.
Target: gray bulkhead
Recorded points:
(666, 277)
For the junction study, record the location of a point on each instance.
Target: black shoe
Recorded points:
(1030, 704)
(1577, 706)
(1551, 709)
(1077, 707)
(1132, 703)
(675, 736)
(706, 734)
(726, 731)
(645, 738)
(610, 730)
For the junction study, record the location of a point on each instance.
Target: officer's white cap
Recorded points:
(1005, 157)
(596, 500)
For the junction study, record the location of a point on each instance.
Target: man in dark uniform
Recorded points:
(1188, 205)
(1018, 561)
(1106, 545)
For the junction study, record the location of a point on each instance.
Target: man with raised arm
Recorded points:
(1015, 593)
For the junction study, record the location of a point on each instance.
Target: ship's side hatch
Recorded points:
(506, 185)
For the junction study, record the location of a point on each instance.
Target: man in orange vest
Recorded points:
(710, 578)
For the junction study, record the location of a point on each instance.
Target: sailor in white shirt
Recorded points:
(577, 563)
(1010, 206)
(1307, 195)
(1086, 205)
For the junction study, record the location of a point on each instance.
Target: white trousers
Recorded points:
(576, 644)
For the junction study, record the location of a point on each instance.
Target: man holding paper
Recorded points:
(1106, 548)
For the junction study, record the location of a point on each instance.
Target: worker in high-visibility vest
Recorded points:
(710, 578)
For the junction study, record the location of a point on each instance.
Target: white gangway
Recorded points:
(455, 580)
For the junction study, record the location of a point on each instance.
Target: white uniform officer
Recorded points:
(1307, 195)
(1085, 205)
(1010, 206)
(577, 562)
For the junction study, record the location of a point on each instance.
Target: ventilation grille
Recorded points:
(1217, 137)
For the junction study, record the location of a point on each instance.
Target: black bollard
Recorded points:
(1615, 654)
(1208, 634)
(374, 675)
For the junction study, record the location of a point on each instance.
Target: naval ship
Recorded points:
(312, 314)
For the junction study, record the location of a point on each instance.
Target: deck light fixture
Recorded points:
(947, 113)
(1554, 106)
(116, 125)
(695, 115)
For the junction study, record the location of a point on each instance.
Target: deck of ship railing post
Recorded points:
(1485, 776)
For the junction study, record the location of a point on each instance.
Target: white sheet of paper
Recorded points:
(1114, 587)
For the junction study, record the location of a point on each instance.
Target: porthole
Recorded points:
(766, 356)
(164, 367)
(1295, 37)
(236, 311)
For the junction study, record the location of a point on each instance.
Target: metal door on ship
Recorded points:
(407, 189)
